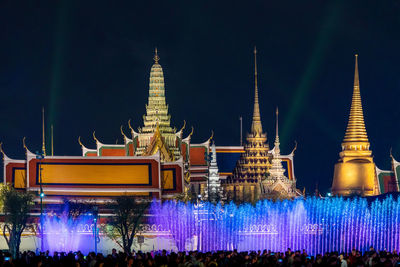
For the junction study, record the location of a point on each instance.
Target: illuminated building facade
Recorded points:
(154, 161)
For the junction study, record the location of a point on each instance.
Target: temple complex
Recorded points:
(355, 173)
(158, 161)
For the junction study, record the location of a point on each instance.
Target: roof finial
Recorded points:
(23, 143)
(79, 141)
(212, 135)
(356, 79)
(294, 149)
(1, 149)
(156, 57)
(183, 127)
(129, 124)
(122, 132)
(94, 136)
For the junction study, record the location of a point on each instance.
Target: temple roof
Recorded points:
(254, 161)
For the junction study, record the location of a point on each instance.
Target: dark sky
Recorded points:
(88, 63)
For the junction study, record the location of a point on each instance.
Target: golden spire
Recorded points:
(277, 125)
(256, 126)
(43, 137)
(355, 131)
(277, 122)
(156, 57)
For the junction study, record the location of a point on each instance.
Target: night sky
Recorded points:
(88, 64)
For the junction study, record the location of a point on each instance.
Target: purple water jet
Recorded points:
(317, 225)
(63, 233)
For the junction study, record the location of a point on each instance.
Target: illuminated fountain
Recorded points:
(65, 233)
(317, 225)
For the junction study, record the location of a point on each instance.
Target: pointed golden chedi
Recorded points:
(355, 174)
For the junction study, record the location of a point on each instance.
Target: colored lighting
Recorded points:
(314, 224)
(64, 233)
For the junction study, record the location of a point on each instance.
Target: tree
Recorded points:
(16, 206)
(124, 224)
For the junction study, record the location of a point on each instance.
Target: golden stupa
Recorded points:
(355, 172)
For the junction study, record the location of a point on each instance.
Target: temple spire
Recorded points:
(277, 125)
(256, 126)
(356, 131)
(277, 150)
(277, 171)
(156, 57)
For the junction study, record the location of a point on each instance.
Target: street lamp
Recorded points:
(95, 216)
(39, 157)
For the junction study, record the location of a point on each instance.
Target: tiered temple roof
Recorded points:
(254, 163)
(277, 185)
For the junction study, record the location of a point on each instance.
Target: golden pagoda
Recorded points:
(355, 174)
(252, 167)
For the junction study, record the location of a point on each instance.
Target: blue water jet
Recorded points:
(63, 233)
(314, 224)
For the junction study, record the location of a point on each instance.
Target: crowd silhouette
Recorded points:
(204, 259)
